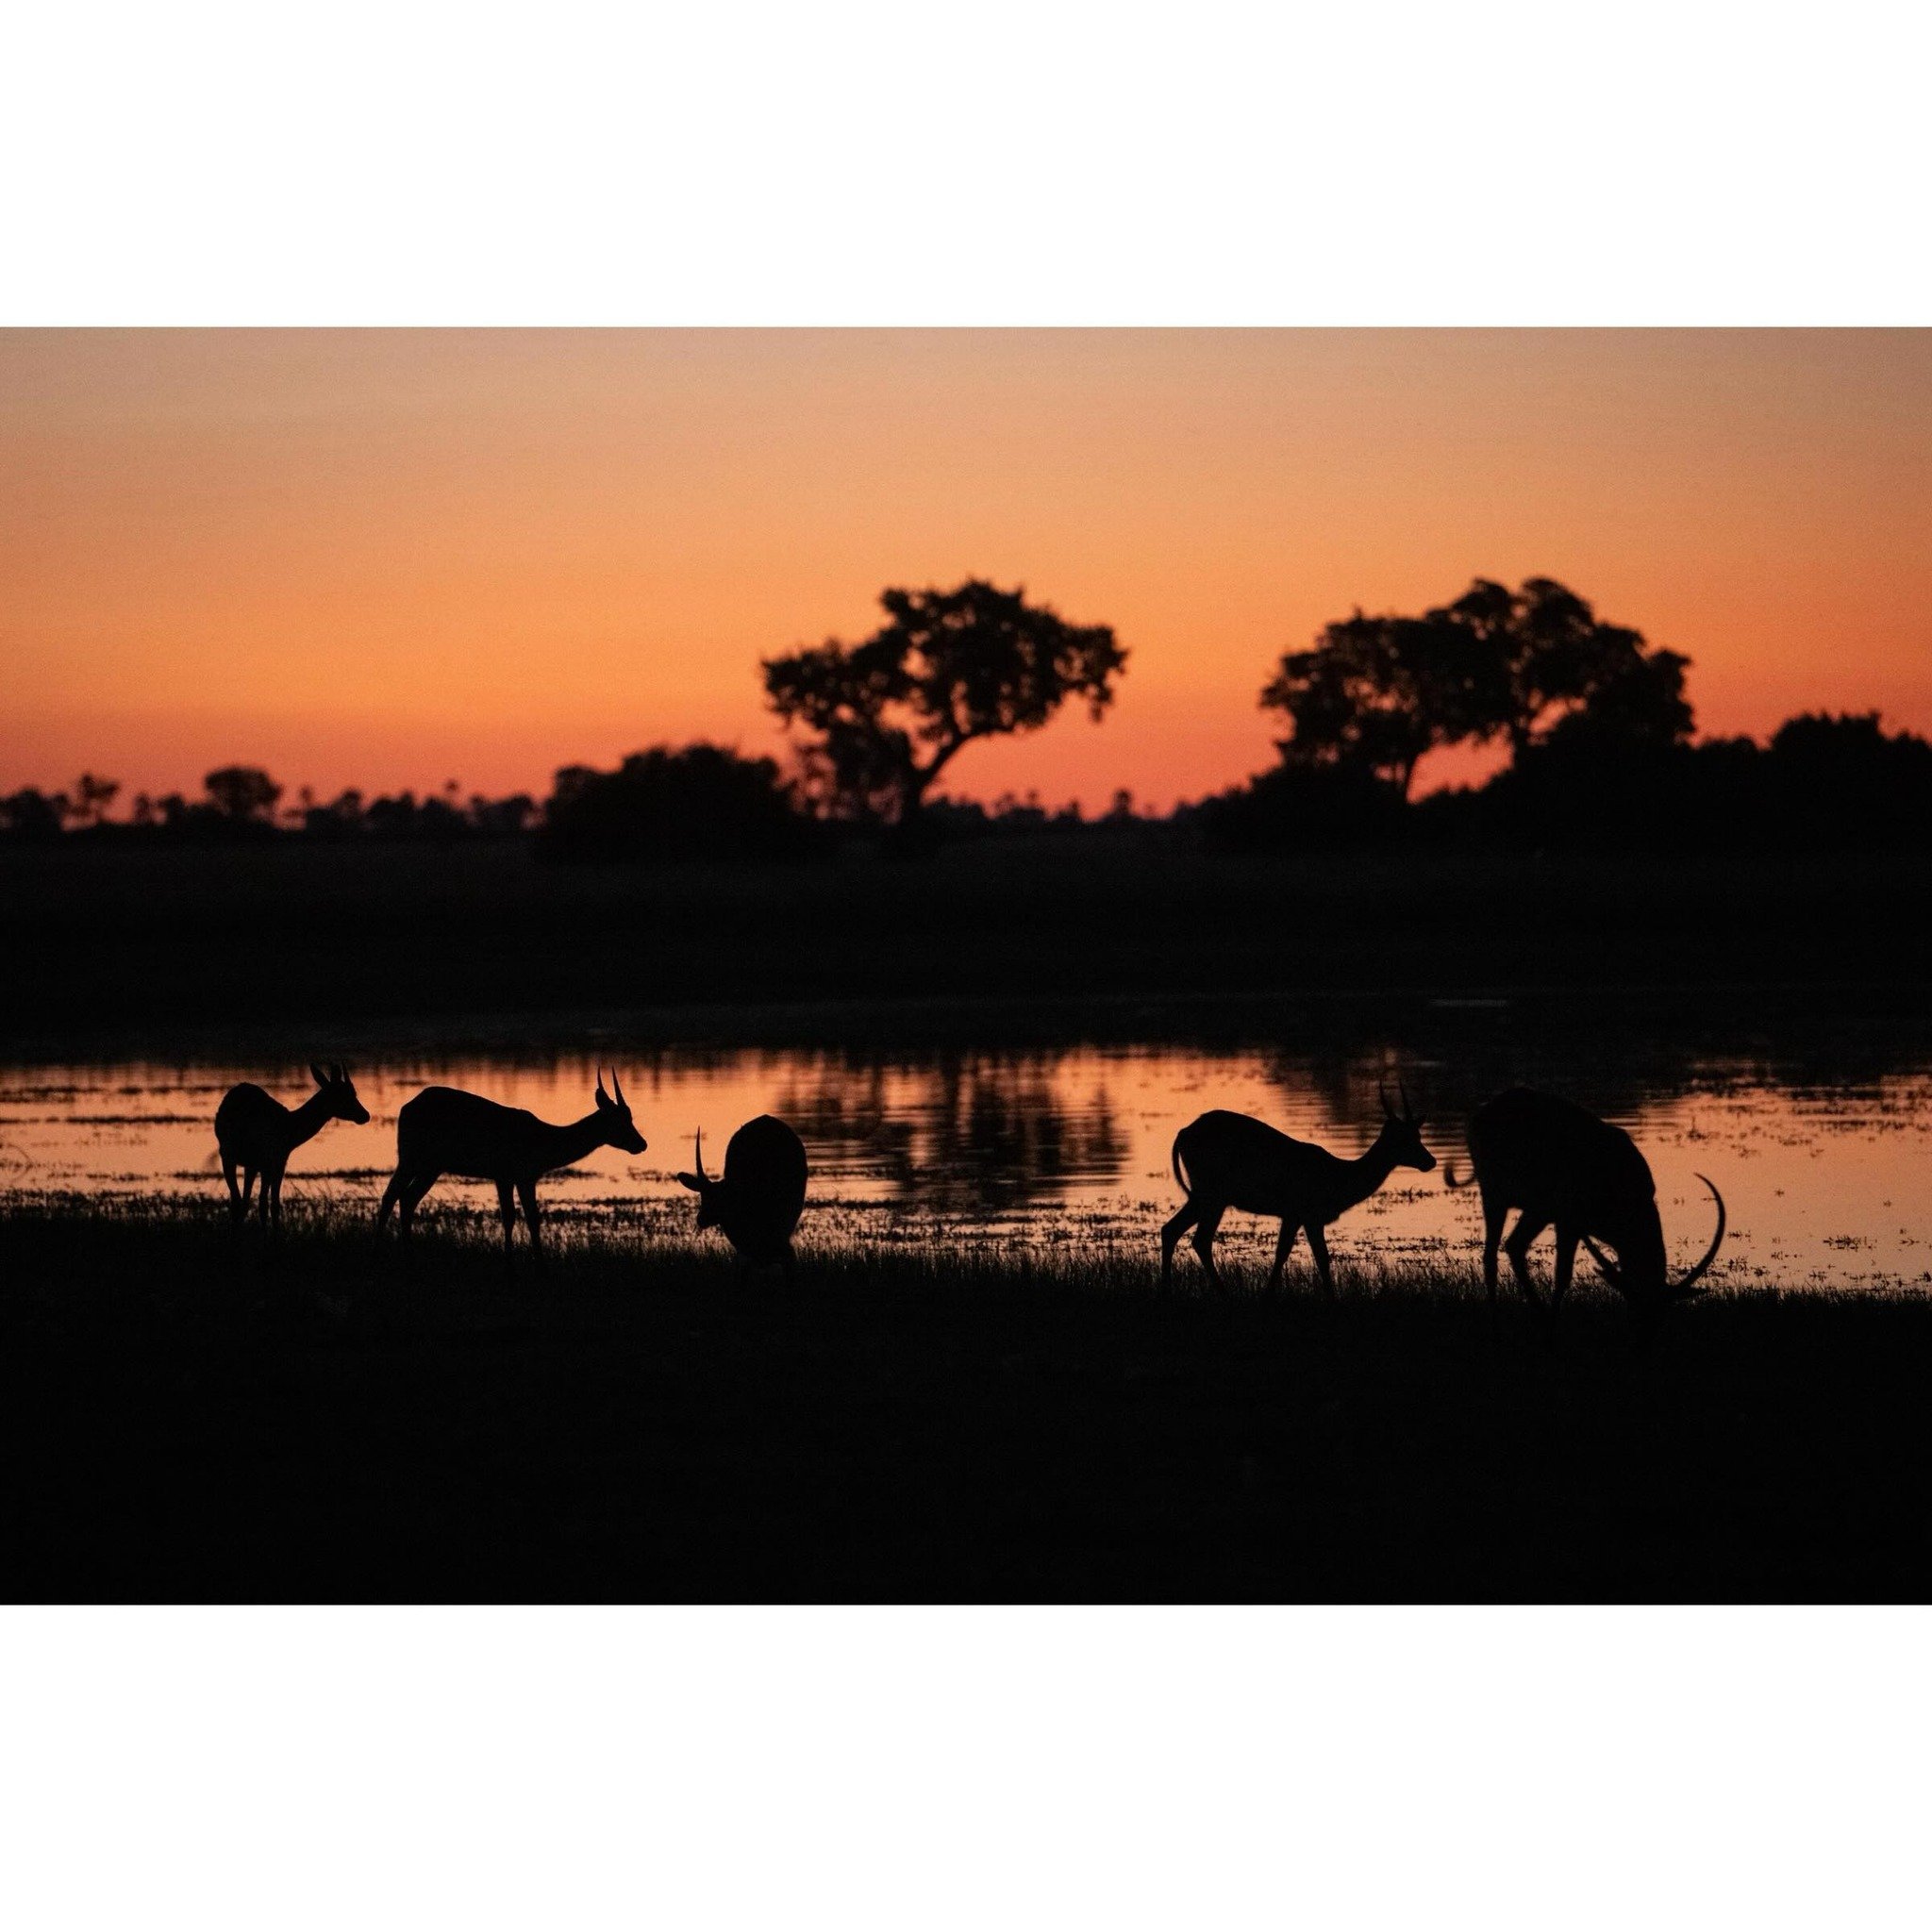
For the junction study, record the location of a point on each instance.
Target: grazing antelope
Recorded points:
(257, 1133)
(445, 1130)
(1563, 1168)
(756, 1201)
(1233, 1160)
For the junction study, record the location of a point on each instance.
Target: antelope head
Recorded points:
(1643, 1277)
(613, 1110)
(1402, 1133)
(710, 1192)
(340, 1091)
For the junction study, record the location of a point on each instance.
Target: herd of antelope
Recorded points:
(1557, 1164)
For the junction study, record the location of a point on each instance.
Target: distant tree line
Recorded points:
(1822, 782)
(243, 802)
(1598, 732)
(1594, 719)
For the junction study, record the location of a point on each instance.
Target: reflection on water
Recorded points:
(1823, 1164)
(961, 1133)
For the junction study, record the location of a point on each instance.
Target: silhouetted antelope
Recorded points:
(1564, 1168)
(1234, 1161)
(756, 1201)
(257, 1133)
(445, 1130)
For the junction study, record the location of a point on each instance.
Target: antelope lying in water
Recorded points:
(1563, 1168)
(445, 1130)
(257, 1133)
(1233, 1160)
(755, 1202)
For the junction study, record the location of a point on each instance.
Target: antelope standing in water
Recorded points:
(445, 1130)
(1233, 1160)
(1563, 1168)
(257, 1133)
(756, 1201)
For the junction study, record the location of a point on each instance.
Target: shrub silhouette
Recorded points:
(699, 802)
(242, 794)
(32, 815)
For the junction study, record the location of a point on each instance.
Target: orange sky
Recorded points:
(394, 557)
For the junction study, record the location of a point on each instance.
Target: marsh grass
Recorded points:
(197, 1411)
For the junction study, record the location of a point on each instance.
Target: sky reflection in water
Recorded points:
(1052, 1147)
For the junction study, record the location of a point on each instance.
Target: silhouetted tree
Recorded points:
(948, 667)
(1376, 693)
(1846, 780)
(1547, 657)
(92, 798)
(32, 814)
(391, 816)
(242, 794)
(340, 818)
(503, 818)
(700, 801)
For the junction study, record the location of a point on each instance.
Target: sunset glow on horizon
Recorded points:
(392, 559)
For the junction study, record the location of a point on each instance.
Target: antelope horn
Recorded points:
(1407, 1105)
(1605, 1264)
(700, 1155)
(617, 1089)
(602, 1096)
(1680, 1289)
(1382, 1088)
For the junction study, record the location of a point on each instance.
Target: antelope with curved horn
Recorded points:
(257, 1133)
(445, 1130)
(1563, 1168)
(1233, 1160)
(756, 1201)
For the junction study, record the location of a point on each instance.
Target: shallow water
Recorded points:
(1823, 1172)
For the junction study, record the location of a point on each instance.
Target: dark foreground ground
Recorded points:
(189, 1414)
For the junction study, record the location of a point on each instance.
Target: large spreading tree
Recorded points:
(1376, 693)
(888, 715)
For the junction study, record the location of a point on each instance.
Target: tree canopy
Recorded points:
(890, 714)
(1376, 693)
(245, 794)
(692, 802)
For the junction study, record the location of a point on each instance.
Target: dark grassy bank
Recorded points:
(189, 1414)
(108, 942)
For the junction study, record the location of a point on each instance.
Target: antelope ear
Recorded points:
(691, 1181)
(321, 1078)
